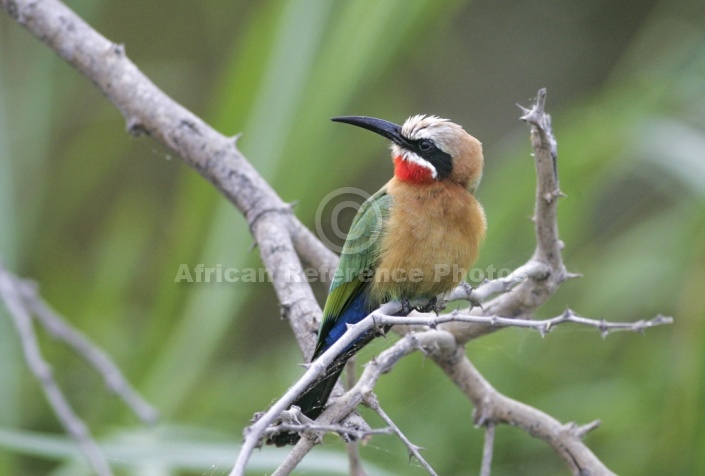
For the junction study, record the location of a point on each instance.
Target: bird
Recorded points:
(412, 241)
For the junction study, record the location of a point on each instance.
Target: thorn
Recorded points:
(524, 110)
(541, 100)
(661, 319)
(475, 303)
(284, 310)
(381, 331)
(135, 127)
(118, 49)
(581, 431)
(418, 449)
(466, 287)
(604, 330)
(481, 417)
(536, 115)
(256, 417)
(235, 138)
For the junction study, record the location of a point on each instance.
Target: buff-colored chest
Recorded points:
(432, 238)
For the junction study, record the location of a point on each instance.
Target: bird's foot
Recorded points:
(435, 304)
(405, 307)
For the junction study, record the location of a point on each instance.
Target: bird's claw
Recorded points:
(435, 304)
(405, 307)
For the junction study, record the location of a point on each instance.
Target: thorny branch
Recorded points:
(414, 451)
(284, 241)
(61, 330)
(542, 326)
(520, 294)
(380, 319)
(352, 446)
(316, 431)
(23, 304)
(281, 238)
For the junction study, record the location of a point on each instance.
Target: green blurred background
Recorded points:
(102, 221)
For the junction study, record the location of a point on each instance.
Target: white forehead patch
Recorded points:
(421, 126)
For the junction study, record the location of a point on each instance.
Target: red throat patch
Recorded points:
(411, 172)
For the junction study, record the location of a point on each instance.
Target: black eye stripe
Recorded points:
(428, 150)
(426, 144)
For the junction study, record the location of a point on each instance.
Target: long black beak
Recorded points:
(384, 128)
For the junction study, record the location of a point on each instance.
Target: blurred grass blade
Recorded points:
(165, 450)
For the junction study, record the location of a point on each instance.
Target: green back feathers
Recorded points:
(358, 259)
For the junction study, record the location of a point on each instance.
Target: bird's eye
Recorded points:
(425, 144)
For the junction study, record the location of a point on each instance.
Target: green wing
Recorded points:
(357, 260)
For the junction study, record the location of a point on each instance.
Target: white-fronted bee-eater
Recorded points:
(413, 240)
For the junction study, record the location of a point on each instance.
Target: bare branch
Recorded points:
(356, 467)
(336, 411)
(487, 450)
(294, 457)
(57, 326)
(352, 447)
(350, 377)
(543, 326)
(315, 430)
(254, 433)
(546, 155)
(490, 405)
(12, 297)
(346, 403)
(493, 407)
(414, 451)
(282, 239)
(530, 294)
(477, 296)
(149, 111)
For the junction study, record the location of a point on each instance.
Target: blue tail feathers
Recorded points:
(358, 308)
